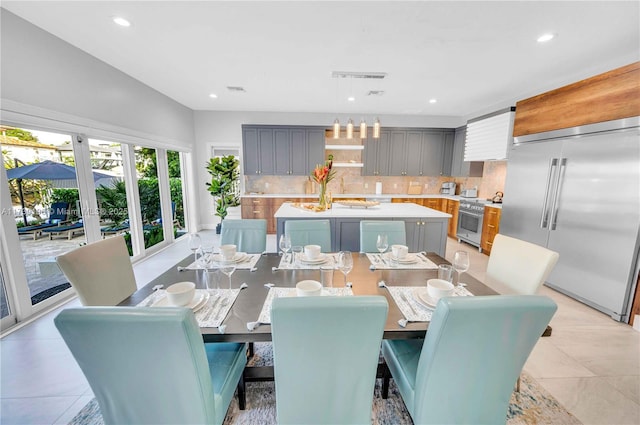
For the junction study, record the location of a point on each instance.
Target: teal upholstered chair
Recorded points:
(475, 348)
(250, 235)
(150, 366)
(326, 352)
(305, 232)
(369, 231)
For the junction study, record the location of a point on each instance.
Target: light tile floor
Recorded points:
(591, 364)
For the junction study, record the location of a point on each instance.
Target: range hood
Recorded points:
(490, 136)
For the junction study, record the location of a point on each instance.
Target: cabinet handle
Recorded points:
(256, 201)
(257, 212)
(491, 225)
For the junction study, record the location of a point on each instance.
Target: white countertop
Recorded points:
(384, 210)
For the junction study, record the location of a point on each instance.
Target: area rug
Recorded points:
(533, 405)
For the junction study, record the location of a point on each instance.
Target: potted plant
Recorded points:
(224, 184)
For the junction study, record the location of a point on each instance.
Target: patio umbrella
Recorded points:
(47, 170)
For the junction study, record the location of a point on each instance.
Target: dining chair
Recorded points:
(305, 232)
(519, 267)
(326, 352)
(150, 366)
(465, 368)
(250, 235)
(370, 229)
(100, 272)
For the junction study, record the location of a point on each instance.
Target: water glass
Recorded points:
(212, 281)
(326, 276)
(445, 272)
(296, 252)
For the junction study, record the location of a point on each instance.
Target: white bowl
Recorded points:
(399, 251)
(308, 288)
(438, 288)
(228, 252)
(312, 251)
(181, 293)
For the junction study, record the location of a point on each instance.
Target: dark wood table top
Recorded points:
(249, 302)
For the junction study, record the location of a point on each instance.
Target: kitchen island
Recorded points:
(426, 228)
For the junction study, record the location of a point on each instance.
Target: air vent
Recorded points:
(375, 92)
(369, 75)
(236, 88)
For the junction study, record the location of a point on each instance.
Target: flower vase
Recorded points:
(322, 198)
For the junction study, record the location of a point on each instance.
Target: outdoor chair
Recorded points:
(370, 229)
(305, 232)
(326, 352)
(150, 366)
(465, 368)
(250, 235)
(68, 231)
(100, 272)
(58, 214)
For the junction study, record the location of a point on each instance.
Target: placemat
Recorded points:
(248, 263)
(286, 265)
(413, 310)
(382, 261)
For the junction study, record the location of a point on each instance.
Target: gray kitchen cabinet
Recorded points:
(258, 151)
(397, 153)
(376, 155)
(425, 234)
(460, 167)
(281, 150)
(434, 146)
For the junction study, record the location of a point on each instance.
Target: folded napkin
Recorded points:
(277, 292)
(405, 298)
(383, 261)
(247, 263)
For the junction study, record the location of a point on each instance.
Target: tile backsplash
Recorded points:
(349, 181)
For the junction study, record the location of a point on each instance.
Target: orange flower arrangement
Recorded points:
(322, 175)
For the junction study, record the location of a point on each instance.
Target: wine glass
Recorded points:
(460, 263)
(382, 243)
(285, 245)
(194, 243)
(345, 263)
(228, 269)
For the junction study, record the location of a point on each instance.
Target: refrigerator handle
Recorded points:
(556, 201)
(544, 219)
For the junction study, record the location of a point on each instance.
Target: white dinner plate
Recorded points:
(294, 293)
(199, 300)
(410, 258)
(321, 259)
(238, 258)
(422, 296)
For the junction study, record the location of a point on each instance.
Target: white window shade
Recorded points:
(489, 138)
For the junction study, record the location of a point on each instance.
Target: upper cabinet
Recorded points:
(409, 152)
(281, 150)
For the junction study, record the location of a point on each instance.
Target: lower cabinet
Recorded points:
(452, 207)
(265, 208)
(490, 228)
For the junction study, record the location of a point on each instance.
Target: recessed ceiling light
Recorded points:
(121, 21)
(433, 100)
(546, 37)
(351, 99)
(213, 96)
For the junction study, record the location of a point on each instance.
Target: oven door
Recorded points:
(470, 227)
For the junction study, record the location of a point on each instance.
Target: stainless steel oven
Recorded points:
(470, 218)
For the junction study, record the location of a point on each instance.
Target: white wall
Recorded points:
(40, 72)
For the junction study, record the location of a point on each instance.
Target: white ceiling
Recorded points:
(470, 56)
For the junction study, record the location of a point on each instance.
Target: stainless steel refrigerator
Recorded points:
(577, 192)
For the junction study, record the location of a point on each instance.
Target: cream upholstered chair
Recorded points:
(150, 366)
(464, 370)
(305, 232)
(100, 272)
(517, 266)
(326, 352)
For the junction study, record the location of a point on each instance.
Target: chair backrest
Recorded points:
(305, 232)
(58, 212)
(101, 272)
(473, 354)
(250, 235)
(326, 352)
(518, 266)
(144, 365)
(369, 231)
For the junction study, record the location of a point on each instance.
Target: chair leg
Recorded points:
(386, 377)
(251, 351)
(518, 385)
(242, 394)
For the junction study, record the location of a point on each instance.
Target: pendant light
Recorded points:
(363, 129)
(336, 129)
(376, 129)
(350, 129)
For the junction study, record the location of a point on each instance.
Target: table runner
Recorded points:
(382, 262)
(212, 314)
(248, 263)
(412, 310)
(275, 292)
